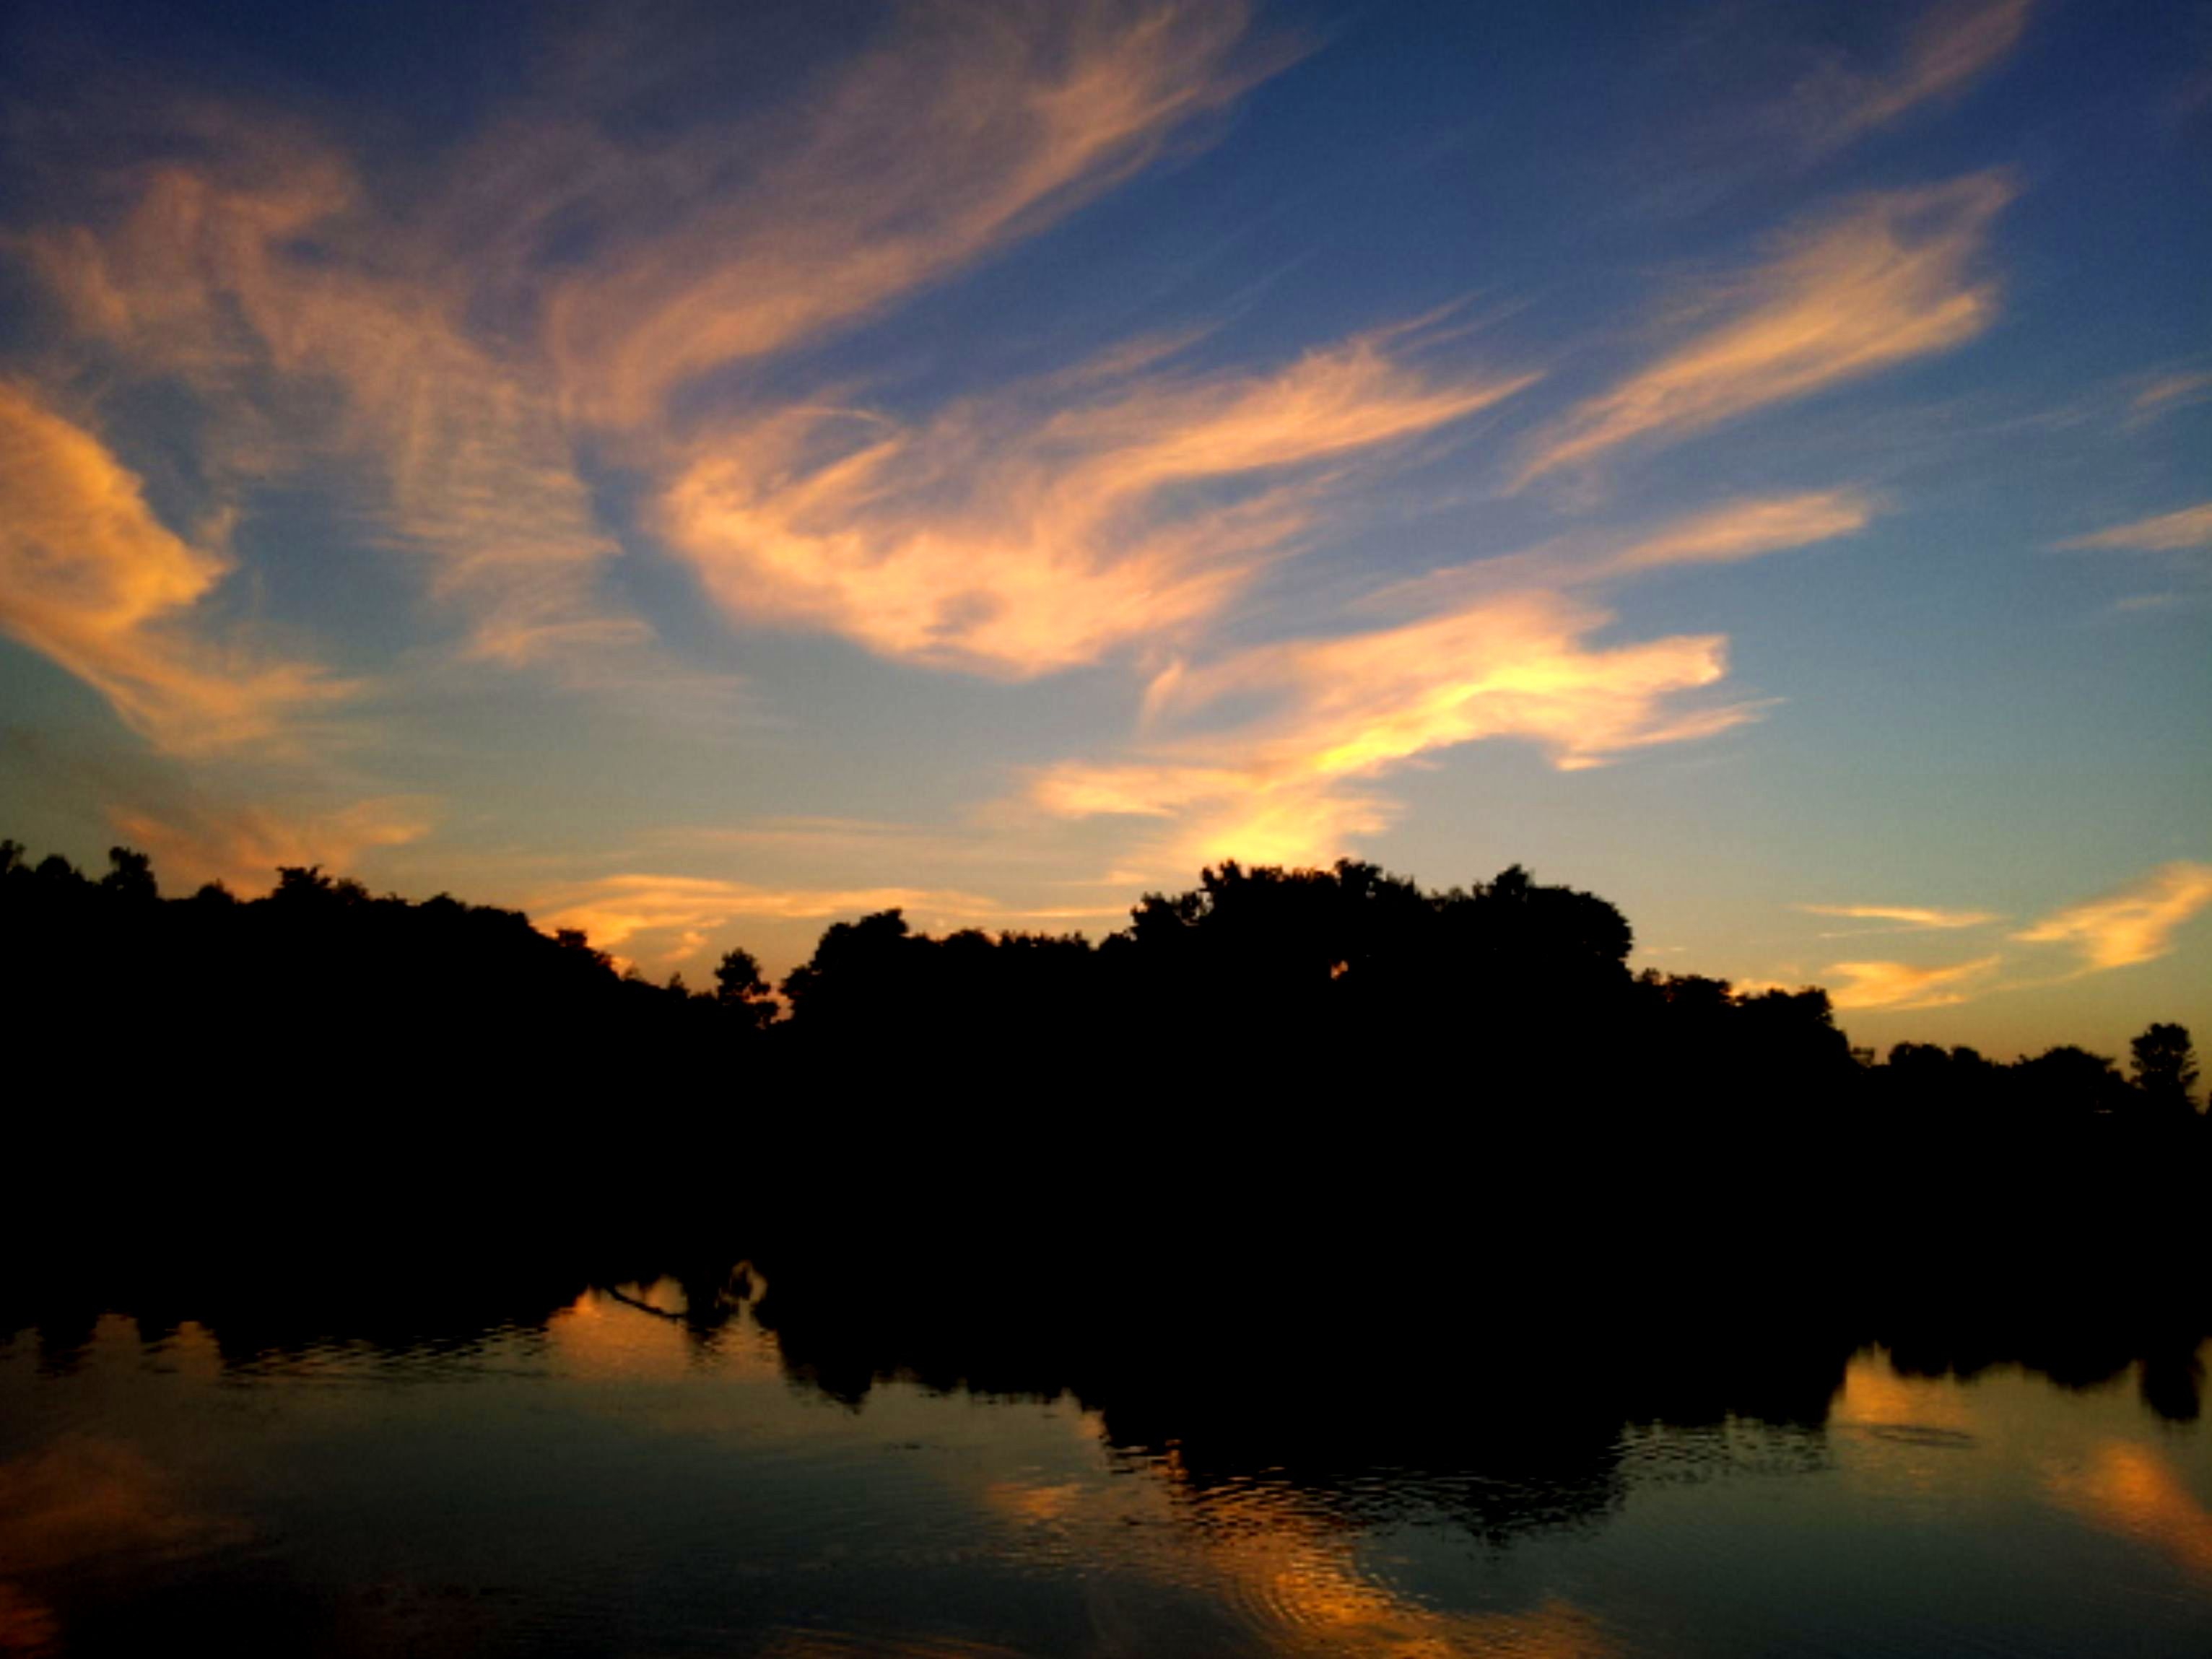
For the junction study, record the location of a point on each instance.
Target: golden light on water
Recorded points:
(2130, 1489)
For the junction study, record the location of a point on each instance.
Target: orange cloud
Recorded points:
(1242, 815)
(1007, 539)
(90, 578)
(1353, 707)
(1513, 667)
(2171, 392)
(2134, 924)
(1877, 286)
(1726, 533)
(266, 283)
(449, 351)
(1908, 915)
(2190, 527)
(1897, 985)
(616, 908)
(1949, 46)
(1746, 529)
(243, 847)
(956, 138)
(675, 915)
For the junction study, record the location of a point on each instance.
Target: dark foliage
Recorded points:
(1511, 1000)
(1284, 1101)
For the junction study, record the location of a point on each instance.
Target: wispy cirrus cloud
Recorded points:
(1728, 532)
(1947, 48)
(1495, 648)
(1516, 667)
(243, 847)
(452, 352)
(90, 578)
(1745, 529)
(1907, 915)
(613, 910)
(578, 296)
(263, 278)
(1887, 281)
(2133, 924)
(2183, 534)
(1016, 535)
(668, 918)
(1291, 784)
(1899, 986)
(2164, 394)
(2168, 532)
(963, 132)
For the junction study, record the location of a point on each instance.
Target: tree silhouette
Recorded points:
(740, 989)
(2163, 1064)
(129, 877)
(1505, 1009)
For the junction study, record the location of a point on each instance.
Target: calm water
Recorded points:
(607, 1482)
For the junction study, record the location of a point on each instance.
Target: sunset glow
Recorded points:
(993, 460)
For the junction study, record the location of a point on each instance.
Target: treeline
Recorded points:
(1339, 1039)
(1507, 999)
(1284, 1100)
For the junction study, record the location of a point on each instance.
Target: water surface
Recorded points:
(609, 1481)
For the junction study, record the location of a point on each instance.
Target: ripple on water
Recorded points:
(1917, 1434)
(1285, 1566)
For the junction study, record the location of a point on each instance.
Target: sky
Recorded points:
(699, 472)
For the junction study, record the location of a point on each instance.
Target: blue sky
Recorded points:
(699, 472)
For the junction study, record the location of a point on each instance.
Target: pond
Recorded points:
(606, 1476)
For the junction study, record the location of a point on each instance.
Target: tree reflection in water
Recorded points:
(1502, 1411)
(1282, 1477)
